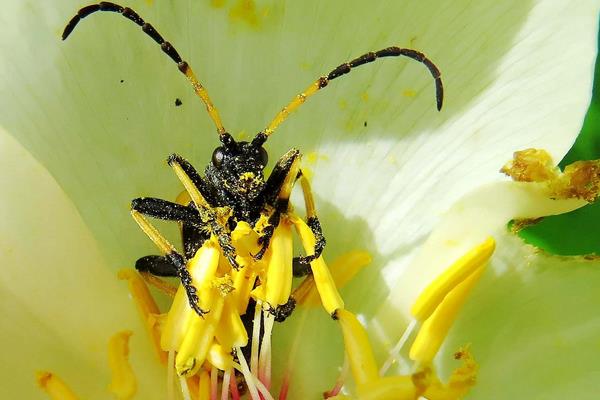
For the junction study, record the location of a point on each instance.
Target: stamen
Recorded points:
(432, 295)
(171, 376)
(328, 292)
(235, 394)
(343, 269)
(255, 337)
(436, 327)
(163, 286)
(395, 351)
(146, 307)
(54, 387)
(248, 376)
(214, 387)
(225, 385)
(231, 331)
(199, 336)
(278, 285)
(218, 357)
(185, 391)
(358, 348)
(339, 382)
(204, 386)
(264, 364)
(123, 384)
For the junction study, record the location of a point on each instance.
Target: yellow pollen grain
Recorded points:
(409, 93)
(436, 327)
(146, 307)
(432, 295)
(123, 384)
(358, 348)
(54, 387)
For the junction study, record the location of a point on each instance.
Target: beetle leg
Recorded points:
(277, 193)
(173, 257)
(312, 221)
(211, 220)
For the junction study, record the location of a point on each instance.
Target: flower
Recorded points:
(99, 111)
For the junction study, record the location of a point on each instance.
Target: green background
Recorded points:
(577, 232)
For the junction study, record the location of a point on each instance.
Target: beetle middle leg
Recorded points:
(174, 258)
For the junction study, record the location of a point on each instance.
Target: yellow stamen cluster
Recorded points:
(436, 309)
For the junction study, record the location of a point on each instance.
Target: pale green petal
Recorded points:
(533, 328)
(517, 74)
(58, 300)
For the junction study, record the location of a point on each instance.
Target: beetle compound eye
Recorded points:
(263, 157)
(217, 157)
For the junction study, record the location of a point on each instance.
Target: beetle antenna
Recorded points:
(166, 47)
(346, 68)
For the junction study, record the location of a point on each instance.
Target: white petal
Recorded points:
(534, 328)
(58, 300)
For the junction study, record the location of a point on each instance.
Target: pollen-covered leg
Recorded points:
(215, 221)
(173, 256)
(278, 189)
(312, 221)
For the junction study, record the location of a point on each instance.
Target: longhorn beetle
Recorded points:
(233, 187)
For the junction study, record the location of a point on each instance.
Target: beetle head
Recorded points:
(237, 167)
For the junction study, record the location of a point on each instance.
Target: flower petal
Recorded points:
(534, 328)
(59, 302)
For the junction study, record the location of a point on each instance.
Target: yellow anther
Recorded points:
(219, 357)
(54, 387)
(460, 382)
(231, 331)
(124, 383)
(389, 388)
(204, 386)
(432, 295)
(146, 306)
(278, 285)
(178, 319)
(245, 239)
(328, 292)
(436, 327)
(358, 348)
(200, 335)
(202, 268)
(243, 282)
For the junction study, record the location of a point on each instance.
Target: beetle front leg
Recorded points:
(277, 194)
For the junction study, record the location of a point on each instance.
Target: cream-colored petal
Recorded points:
(59, 302)
(534, 327)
